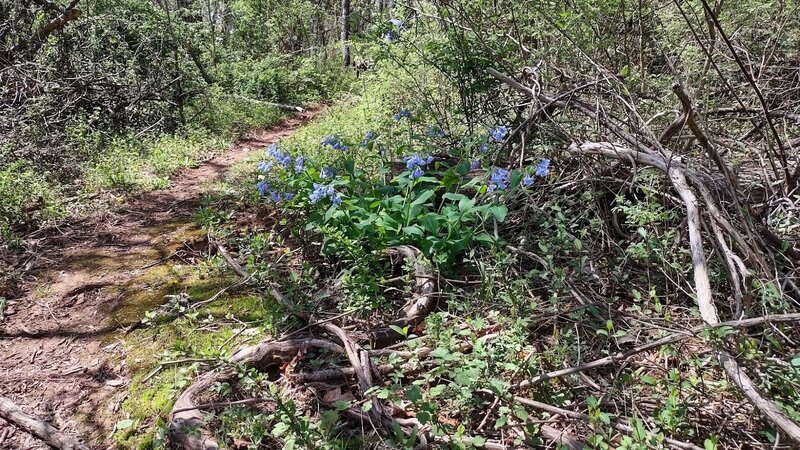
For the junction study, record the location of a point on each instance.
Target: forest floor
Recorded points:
(62, 340)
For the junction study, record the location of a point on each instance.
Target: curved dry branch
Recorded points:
(364, 371)
(416, 310)
(186, 423)
(705, 302)
(42, 430)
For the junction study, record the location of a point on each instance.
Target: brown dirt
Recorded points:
(60, 351)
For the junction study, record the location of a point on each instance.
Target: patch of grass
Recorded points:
(27, 198)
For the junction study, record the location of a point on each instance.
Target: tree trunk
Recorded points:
(346, 32)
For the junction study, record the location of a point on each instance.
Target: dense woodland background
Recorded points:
(509, 224)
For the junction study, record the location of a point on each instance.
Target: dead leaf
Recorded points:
(335, 395)
(241, 443)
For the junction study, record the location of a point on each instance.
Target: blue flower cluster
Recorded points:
(403, 114)
(334, 142)
(392, 35)
(415, 163)
(264, 188)
(298, 164)
(265, 166)
(543, 168)
(474, 164)
(500, 178)
(369, 137)
(282, 158)
(325, 191)
(499, 133)
(327, 172)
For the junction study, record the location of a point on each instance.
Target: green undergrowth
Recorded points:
(177, 343)
(126, 162)
(519, 253)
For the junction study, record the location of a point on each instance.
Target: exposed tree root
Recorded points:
(416, 310)
(42, 430)
(186, 420)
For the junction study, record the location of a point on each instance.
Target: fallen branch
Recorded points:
(666, 340)
(364, 370)
(414, 312)
(42, 430)
(617, 424)
(274, 105)
(186, 422)
(705, 301)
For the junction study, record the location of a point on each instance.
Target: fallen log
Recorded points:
(39, 428)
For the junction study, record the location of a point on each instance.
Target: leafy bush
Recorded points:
(27, 199)
(281, 78)
(440, 205)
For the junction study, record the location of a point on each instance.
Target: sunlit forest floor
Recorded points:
(71, 347)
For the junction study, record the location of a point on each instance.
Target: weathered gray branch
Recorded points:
(42, 430)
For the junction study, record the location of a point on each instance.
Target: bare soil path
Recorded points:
(60, 342)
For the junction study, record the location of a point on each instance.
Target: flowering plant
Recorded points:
(440, 207)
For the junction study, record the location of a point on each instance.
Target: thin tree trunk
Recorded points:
(346, 32)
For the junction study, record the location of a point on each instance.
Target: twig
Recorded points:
(221, 404)
(42, 430)
(666, 340)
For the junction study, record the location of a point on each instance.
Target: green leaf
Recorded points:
(124, 424)
(413, 230)
(403, 331)
(455, 197)
(499, 212)
(427, 194)
(414, 393)
(485, 238)
(350, 165)
(478, 441)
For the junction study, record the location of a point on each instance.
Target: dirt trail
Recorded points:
(57, 343)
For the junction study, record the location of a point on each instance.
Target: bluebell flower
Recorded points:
(369, 137)
(263, 187)
(416, 173)
(434, 131)
(327, 172)
(499, 133)
(318, 193)
(499, 179)
(288, 196)
(391, 36)
(265, 166)
(474, 164)
(398, 23)
(340, 146)
(543, 168)
(330, 140)
(417, 161)
(483, 148)
(527, 180)
(281, 157)
(275, 196)
(298, 164)
(403, 113)
(324, 191)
